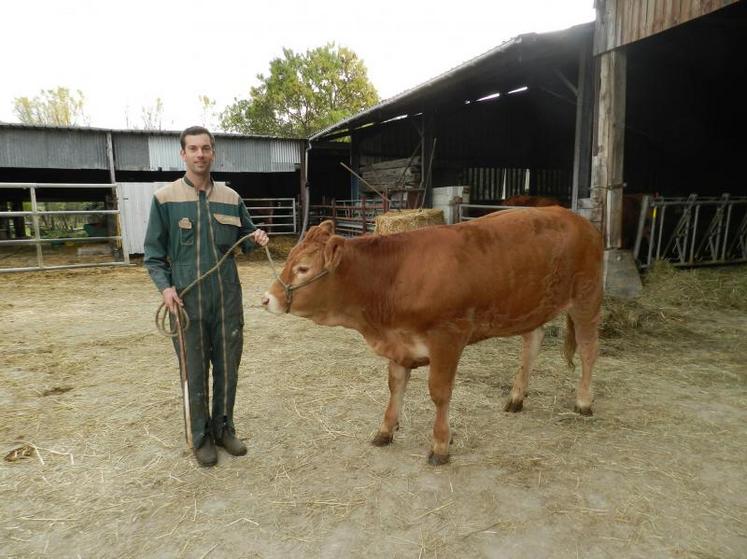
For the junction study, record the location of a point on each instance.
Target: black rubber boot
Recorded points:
(206, 455)
(231, 443)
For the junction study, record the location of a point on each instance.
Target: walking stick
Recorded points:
(184, 379)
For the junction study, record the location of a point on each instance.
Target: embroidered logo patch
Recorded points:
(184, 223)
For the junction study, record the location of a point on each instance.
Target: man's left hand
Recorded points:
(260, 237)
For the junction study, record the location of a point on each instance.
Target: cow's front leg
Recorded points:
(440, 384)
(398, 377)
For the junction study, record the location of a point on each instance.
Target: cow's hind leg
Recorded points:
(398, 378)
(529, 350)
(587, 340)
(441, 375)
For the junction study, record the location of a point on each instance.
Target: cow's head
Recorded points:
(304, 285)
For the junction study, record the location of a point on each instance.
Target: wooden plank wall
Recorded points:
(620, 22)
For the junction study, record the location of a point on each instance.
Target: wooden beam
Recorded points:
(426, 153)
(355, 165)
(584, 126)
(607, 161)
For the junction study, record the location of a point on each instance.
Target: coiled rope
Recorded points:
(171, 331)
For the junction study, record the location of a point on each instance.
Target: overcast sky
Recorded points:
(123, 55)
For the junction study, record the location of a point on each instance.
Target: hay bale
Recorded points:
(407, 220)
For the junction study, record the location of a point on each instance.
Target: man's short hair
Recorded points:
(195, 131)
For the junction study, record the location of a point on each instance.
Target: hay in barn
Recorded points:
(407, 220)
(280, 246)
(672, 297)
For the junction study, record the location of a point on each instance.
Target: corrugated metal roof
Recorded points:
(85, 148)
(163, 153)
(139, 132)
(479, 75)
(131, 152)
(51, 148)
(285, 155)
(245, 153)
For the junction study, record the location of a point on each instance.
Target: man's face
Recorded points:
(198, 155)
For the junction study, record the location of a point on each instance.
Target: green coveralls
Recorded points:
(188, 232)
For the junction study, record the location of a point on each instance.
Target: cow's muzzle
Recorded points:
(289, 289)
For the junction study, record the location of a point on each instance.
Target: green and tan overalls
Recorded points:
(188, 232)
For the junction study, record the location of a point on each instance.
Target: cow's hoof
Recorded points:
(586, 411)
(437, 459)
(382, 439)
(514, 407)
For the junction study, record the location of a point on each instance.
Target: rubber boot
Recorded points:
(206, 455)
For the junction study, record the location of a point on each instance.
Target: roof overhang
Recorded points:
(505, 68)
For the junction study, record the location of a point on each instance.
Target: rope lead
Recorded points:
(162, 313)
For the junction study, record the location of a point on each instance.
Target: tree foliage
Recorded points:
(55, 107)
(304, 93)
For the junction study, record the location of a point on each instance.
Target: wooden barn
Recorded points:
(640, 108)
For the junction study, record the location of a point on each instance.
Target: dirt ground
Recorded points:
(658, 471)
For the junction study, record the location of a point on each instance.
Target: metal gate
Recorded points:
(19, 216)
(692, 231)
(277, 216)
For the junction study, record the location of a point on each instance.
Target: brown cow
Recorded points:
(419, 297)
(529, 201)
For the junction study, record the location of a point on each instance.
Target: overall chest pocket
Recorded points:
(226, 228)
(186, 232)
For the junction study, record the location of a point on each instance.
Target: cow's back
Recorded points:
(508, 272)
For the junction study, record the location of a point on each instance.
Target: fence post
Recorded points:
(35, 223)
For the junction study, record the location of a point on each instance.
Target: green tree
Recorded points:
(303, 94)
(55, 107)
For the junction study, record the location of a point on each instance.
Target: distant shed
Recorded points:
(140, 161)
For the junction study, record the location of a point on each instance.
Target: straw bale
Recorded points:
(407, 220)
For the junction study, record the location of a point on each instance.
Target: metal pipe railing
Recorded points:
(35, 214)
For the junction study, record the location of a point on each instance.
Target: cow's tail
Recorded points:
(569, 347)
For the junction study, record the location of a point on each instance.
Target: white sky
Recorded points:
(123, 55)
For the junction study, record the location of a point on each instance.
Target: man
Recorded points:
(193, 222)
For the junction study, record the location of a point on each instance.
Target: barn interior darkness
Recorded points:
(485, 140)
(686, 113)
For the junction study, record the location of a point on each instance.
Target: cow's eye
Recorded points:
(302, 269)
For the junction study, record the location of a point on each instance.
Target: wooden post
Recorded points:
(19, 223)
(607, 161)
(112, 223)
(426, 153)
(584, 126)
(355, 165)
(302, 186)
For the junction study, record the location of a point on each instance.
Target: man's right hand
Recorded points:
(171, 299)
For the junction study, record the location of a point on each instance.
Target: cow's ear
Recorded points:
(328, 226)
(333, 252)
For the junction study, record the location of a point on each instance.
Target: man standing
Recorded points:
(193, 222)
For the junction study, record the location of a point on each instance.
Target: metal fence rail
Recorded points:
(35, 214)
(352, 217)
(277, 216)
(686, 231)
(692, 231)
